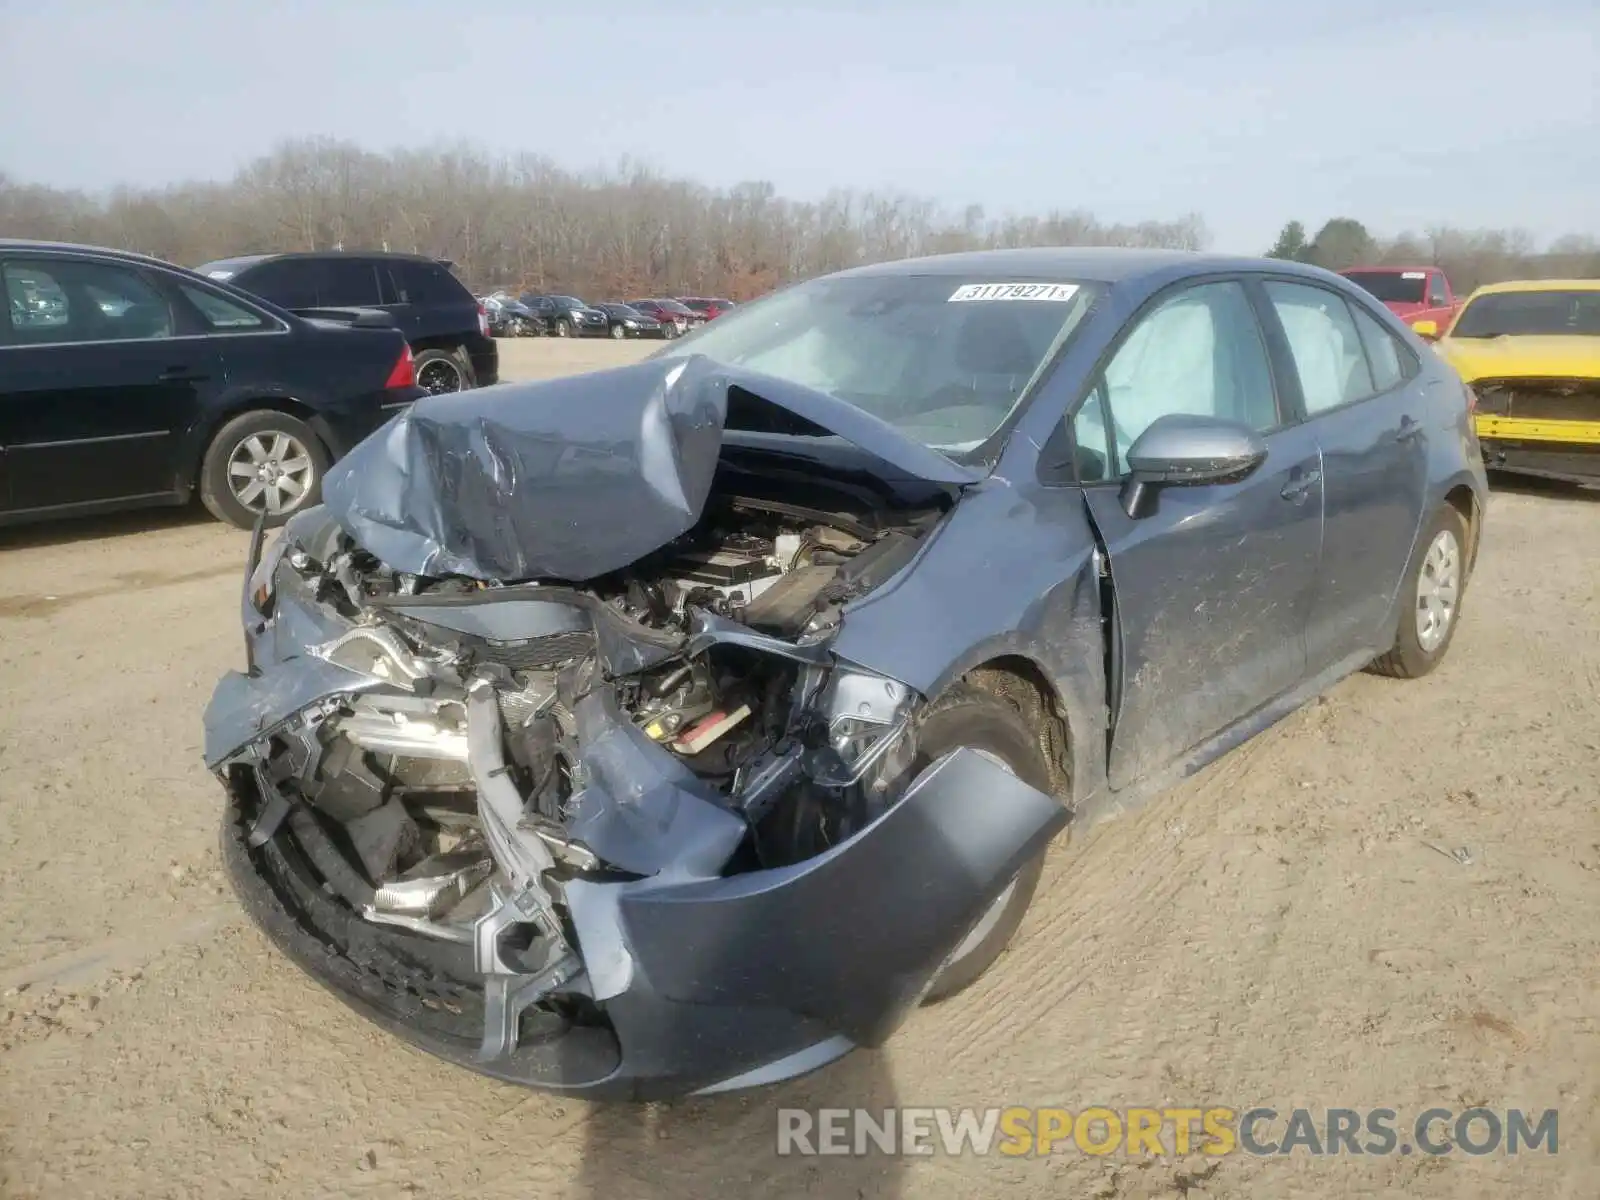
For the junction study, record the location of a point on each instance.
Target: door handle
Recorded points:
(1409, 430)
(182, 375)
(1298, 488)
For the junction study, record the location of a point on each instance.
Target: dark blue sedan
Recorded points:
(680, 727)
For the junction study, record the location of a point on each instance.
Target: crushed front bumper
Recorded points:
(700, 985)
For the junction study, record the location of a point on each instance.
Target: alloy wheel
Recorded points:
(270, 471)
(439, 376)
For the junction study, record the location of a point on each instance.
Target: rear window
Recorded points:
(1392, 287)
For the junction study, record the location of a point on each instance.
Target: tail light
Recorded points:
(404, 374)
(483, 320)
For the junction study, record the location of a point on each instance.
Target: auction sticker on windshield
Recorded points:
(1015, 291)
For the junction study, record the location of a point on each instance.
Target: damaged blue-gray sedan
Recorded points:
(680, 727)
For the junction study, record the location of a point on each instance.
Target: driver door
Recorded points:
(1213, 582)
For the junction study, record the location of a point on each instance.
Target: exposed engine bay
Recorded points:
(483, 745)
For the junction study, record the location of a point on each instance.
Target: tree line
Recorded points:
(525, 222)
(1469, 257)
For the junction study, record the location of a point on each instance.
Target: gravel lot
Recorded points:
(1277, 931)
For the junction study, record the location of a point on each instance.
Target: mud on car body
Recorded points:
(681, 727)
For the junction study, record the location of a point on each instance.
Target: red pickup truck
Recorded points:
(1412, 293)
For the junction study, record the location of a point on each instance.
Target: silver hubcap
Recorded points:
(991, 916)
(271, 471)
(1438, 586)
(439, 376)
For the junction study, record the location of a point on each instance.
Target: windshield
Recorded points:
(943, 359)
(1392, 287)
(1573, 313)
(568, 301)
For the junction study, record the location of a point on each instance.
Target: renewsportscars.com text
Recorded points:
(1166, 1131)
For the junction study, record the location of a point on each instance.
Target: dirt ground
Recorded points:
(1282, 930)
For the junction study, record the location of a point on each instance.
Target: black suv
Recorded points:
(127, 382)
(447, 328)
(567, 316)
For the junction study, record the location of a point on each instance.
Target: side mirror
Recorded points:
(1426, 329)
(1184, 450)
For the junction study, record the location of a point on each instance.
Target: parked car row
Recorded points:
(128, 382)
(534, 314)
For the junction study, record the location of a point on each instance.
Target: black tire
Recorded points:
(982, 720)
(264, 425)
(618, 332)
(443, 371)
(669, 330)
(1408, 658)
(563, 328)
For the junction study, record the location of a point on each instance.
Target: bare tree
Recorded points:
(628, 230)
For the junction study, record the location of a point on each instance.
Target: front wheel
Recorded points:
(262, 462)
(618, 333)
(563, 328)
(1009, 734)
(1433, 587)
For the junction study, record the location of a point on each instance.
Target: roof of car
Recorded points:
(26, 244)
(239, 262)
(1540, 285)
(1098, 264)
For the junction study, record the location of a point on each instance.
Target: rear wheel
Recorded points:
(669, 330)
(262, 461)
(442, 371)
(1434, 584)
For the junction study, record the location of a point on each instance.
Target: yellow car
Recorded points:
(1530, 350)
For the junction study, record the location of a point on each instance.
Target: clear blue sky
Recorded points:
(1399, 112)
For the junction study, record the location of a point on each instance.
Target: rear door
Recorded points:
(432, 302)
(1213, 586)
(1362, 393)
(99, 379)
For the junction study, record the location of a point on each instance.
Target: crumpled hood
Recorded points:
(572, 478)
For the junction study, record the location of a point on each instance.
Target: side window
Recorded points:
(346, 283)
(425, 283)
(58, 301)
(221, 314)
(1322, 338)
(289, 283)
(391, 291)
(1436, 292)
(1199, 352)
(1388, 360)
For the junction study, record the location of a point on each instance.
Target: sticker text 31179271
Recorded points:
(1014, 291)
